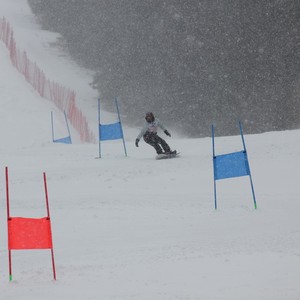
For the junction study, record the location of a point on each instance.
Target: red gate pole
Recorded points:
(48, 216)
(8, 218)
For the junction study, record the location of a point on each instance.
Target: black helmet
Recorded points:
(149, 117)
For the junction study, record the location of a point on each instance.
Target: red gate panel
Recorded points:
(29, 233)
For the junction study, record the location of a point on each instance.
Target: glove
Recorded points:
(167, 133)
(137, 142)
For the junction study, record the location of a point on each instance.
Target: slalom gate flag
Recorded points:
(28, 233)
(231, 165)
(64, 140)
(111, 131)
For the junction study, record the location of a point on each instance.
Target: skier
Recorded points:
(149, 133)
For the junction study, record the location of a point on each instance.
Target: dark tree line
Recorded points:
(193, 62)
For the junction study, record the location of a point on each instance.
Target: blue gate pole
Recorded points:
(52, 126)
(214, 158)
(116, 101)
(99, 124)
(242, 136)
(251, 183)
(67, 126)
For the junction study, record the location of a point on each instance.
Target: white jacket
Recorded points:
(151, 127)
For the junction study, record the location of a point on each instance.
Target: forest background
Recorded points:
(193, 62)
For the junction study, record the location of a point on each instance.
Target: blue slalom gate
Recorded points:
(112, 131)
(64, 140)
(231, 165)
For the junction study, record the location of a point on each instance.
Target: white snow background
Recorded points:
(137, 228)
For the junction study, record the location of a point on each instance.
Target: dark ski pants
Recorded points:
(157, 142)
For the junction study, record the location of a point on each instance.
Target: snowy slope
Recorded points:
(137, 228)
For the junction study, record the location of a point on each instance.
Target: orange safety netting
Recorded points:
(29, 233)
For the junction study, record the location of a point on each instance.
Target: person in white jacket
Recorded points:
(149, 133)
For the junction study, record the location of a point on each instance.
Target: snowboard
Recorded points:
(169, 155)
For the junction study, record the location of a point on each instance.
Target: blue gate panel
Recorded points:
(231, 165)
(65, 140)
(110, 131)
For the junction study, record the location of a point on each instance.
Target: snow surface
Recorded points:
(138, 228)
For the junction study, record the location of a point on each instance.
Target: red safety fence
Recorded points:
(63, 97)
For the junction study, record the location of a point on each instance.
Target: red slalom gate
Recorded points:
(29, 233)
